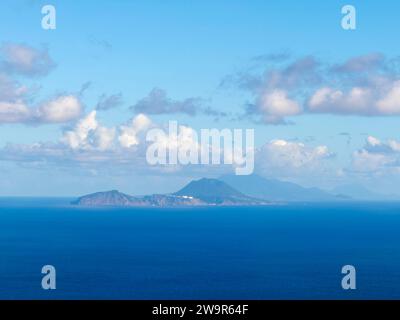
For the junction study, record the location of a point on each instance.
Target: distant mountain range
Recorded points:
(275, 190)
(361, 193)
(230, 190)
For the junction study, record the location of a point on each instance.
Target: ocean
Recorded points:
(291, 251)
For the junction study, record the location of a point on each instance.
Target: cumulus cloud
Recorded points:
(125, 147)
(78, 138)
(89, 135)
(389, 104)
(274, 106)
(129, 136)
(89, 143)
(184, 141)
(365, 101)
(17, 101)
(25, 60)
(328, 100)
(365, 85)
(58, 110)
(276, 91)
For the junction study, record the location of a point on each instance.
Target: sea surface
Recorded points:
(291, 251)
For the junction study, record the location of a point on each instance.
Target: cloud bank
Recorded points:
(367, 85)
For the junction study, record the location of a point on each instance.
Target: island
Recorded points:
(227, 190)
(203, 192)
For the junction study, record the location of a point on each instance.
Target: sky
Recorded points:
(76, 102)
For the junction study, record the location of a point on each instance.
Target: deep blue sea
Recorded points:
(279, 252)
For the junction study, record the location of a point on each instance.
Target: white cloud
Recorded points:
(61, 109)
(284, 158)
(104, 137)
(389, 104)
(186, 139)
(374, 100)
(78, 138)
(129, 134)
(377, 146)
(329, 100)
(277, 91)
(89, 135)
(372, 94)
(16, 101)
(394, 145)
(377, 157)
(367, 85)
(122, 148)
(372, 141)
(366, 161)
(275, 105)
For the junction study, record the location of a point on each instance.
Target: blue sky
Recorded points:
(204, 50)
